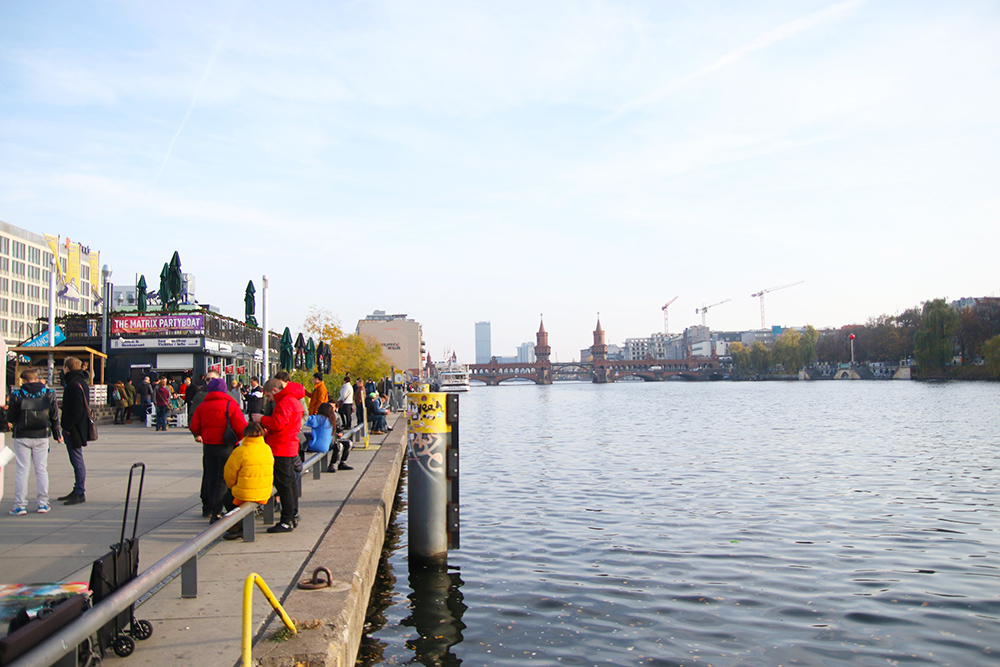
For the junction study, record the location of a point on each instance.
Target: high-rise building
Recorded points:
(484, 350)
(25, 260)
(526, 353)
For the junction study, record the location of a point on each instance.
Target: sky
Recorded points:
(510, 161)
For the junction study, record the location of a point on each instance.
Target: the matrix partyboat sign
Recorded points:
(158, 324)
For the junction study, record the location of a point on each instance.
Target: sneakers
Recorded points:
(43, 509)
(280, 528)
(75, 499)
(18, 511)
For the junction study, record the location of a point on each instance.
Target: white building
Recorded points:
(402, 339)
(25, 260)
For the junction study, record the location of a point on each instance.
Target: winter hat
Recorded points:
(216, 384)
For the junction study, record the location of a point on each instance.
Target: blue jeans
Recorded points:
(161, 417)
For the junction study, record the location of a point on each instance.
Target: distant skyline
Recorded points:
(472, 161)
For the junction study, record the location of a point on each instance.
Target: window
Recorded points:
(34, 292)
(4, 245)
(4, 285)
(85, 271)
(34, 273)
(35, 255)
(65, 264)
(4, 305)
(17, 288)
(17, 268)
(19, 250)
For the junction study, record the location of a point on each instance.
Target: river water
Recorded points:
(822, 523)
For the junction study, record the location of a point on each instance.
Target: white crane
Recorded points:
(765, 291)
(704, 309)
(666, 328)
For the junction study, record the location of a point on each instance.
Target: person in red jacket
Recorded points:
(208, 424)
(283, 426)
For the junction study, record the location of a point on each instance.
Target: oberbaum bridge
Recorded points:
(599, 370)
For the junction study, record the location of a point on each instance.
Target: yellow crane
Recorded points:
(765, 291)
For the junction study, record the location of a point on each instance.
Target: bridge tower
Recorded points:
(599, 350)
(543, 352)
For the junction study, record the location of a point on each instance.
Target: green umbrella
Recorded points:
(286, 352)
(164, 286)
(300, 352)
(141, 294)
(175, 280)
(310, 355)
(250, 305)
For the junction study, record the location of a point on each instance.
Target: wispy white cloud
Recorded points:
(779, 34)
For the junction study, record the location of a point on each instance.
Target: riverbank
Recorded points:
(344, 516)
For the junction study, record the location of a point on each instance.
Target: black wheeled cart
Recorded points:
(112, 571)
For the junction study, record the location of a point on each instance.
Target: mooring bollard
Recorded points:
(432, 457)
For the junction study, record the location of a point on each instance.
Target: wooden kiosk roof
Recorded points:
(58, 354)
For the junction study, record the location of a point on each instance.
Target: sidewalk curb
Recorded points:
(351, 550)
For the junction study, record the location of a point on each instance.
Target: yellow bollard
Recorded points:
(253, 578)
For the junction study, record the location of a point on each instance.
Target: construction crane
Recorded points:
(666, 328)
(704, 309)
(765, 291)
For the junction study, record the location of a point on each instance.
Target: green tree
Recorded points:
(807, 346)
(991, 351)
(740, 354)
(360, 356)
(933, 343)
(787, 351)
(760, 358)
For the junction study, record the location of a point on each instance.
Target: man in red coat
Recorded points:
(208, 424)
(283, 426)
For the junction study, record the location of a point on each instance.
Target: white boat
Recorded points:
(453, 377)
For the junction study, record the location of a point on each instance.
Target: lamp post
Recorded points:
(851, 338)
(52, 320)
(106, 275)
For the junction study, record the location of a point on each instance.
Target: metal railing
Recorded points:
(184, 556)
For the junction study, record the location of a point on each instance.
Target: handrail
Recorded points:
(251, 579)
(184, 556)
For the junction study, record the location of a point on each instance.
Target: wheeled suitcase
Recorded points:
(112, 571)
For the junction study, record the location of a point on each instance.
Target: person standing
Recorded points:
(208, 424)
(346, 401)
(283, 426)
(75, 423)
(255, 397)
(32, 413)
(120, 400)
(130, 399)
(319, 395)
(145, 393)
(161, 399)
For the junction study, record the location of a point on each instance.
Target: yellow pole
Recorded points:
(253, 578)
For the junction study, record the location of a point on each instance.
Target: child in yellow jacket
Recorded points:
(249, 474)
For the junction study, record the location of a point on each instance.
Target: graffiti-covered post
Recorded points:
(432, 457)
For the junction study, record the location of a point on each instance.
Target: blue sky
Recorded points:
(466, 161)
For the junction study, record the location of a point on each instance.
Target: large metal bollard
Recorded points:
(432, 458)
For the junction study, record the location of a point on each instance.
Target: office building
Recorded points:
(402, 340)
(484, 350)
(25, 261)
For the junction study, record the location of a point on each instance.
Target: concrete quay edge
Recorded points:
(350, 549)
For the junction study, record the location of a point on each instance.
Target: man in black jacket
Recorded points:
(75, 424)
(33, 414)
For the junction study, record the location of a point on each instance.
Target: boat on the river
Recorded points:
(453, 377)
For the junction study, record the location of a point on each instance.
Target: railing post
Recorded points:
(428, 441)
(189, 578)
(250, 527)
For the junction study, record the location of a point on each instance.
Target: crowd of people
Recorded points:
(252, 436)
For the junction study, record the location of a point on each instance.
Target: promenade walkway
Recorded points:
(344, 516)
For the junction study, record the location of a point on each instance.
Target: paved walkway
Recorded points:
(344, 511)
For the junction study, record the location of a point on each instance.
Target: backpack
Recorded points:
(34, 411)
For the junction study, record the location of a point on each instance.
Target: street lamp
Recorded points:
(106, 275)
(851, 338)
